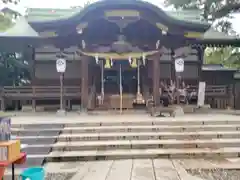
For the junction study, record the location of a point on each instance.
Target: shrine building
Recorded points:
(118, 54)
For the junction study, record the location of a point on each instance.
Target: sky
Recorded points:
(69, 3)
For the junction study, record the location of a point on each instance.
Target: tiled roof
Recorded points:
(37, 14)
(216, 67)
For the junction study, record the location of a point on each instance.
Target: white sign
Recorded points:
(61, 65)
(201, 94)
(179, 65)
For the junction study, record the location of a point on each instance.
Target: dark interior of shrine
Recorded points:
(139, 33)
(112, 79)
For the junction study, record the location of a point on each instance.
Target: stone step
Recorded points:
(130, 136)
(133, 144)
(230, 152)
(148, 135)
(125, 122)
(101, 129)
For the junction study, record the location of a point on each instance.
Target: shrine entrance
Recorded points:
(121, 85)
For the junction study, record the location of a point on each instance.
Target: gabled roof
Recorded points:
(9, 10)
(48, 14)
(75, 15)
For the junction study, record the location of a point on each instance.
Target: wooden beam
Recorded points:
(84, 82)
(156, 79)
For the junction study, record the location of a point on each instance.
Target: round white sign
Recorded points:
(179, 65)
(61, 65)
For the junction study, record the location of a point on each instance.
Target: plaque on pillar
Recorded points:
(179, 65)
(61, 65)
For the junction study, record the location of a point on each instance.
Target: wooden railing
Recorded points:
(39, 91)
(213, 90)
(74, 91)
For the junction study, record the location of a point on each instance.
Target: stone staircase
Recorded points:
(150, 138)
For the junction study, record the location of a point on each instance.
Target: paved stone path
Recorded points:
(131, 169)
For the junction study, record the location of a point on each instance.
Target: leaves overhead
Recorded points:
(211, 8)
(214, 10)
(5, 23)
(10, 1)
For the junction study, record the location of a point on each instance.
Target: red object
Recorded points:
(3, 164)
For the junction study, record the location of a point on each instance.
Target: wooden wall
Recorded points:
(46, 74)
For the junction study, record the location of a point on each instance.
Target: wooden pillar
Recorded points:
(231, 96)
(156, 79)
(32, 74)
(84, 83)
(200, 50)
(2, 104)
(173, 72)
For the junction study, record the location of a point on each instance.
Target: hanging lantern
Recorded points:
(96, 58)
(107, 63)
(134, 63)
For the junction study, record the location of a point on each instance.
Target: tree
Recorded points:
(13, 68)
(6, 23)
(14, 71)
(213, 10)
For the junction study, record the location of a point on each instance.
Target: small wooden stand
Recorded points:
(19, 160)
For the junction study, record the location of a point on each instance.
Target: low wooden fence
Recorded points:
(213, 90)
(26, 92)
(218, 96)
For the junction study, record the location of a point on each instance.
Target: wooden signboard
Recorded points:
(201, 94)
(10, 150)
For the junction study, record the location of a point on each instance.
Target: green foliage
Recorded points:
(211, 11)
(5, 23)
(215, 8)
(12, 70)
(10, 1)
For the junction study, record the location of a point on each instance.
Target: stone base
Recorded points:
(178, 111)
(61, 112)
(83, 112)
(28, 108)
(203, 109)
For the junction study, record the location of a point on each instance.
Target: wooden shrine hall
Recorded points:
(119, 54)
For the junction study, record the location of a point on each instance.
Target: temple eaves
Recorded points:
(45, 14)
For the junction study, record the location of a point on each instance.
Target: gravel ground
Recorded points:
(216, 174)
